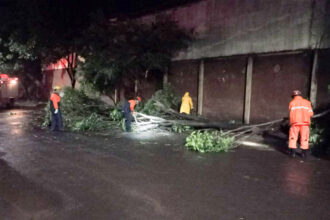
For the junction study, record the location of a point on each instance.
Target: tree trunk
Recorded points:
(26, 91)
(31, 77)
(71, 68)
(146, 120)
(73, 83)
(71, 74)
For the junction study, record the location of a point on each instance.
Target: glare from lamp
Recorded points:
(13, 82)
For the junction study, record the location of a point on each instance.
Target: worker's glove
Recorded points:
(56, 111)
(134, 113)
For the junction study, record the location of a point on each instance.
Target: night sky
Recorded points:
(132, 6)
(111, 7)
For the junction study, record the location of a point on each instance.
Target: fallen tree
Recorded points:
(200, 122)
(155, 121)
(228, 136)
(82, 113)
(197, 122)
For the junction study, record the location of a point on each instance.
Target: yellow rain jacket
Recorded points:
(186, 104)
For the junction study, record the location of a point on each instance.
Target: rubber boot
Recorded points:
(304, 154)
(292, 153)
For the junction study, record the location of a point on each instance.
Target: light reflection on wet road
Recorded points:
(46, 175)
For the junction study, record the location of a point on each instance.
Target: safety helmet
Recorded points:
(296, 92)
(57, 88)
(138, 98)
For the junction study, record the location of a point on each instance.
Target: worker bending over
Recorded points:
(128, 110)
(55, 104)
(300, 119)
(186, 104)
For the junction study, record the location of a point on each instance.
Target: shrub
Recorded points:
(316, 134)
(177, 128)
(77, 103)
(94, 122)
(209, 141)
(47, 119)
(89, 89)
(165, 96)
(115, 115)
(76, 108)
(319, 137)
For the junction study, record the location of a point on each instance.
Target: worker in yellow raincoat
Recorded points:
(186, 104)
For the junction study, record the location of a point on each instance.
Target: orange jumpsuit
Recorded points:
(300, 118)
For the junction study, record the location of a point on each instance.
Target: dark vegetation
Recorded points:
(320, 135)
(96, 37)
(122, 51)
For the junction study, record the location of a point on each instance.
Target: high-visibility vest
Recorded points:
(132, 104)
(55, 101)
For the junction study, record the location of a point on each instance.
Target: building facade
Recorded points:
(249, 55)
(246, 58)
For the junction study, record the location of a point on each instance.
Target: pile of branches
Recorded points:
(172, 117)
(168, 117)
(167, 99)
(82, 113)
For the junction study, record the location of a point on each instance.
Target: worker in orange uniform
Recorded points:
(186, 104)
(128, 110)
(55, 104)
(300, 119)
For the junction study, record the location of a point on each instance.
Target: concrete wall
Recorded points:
(183, 76)
(61, 78)
(323, 80)
(224, 81)
(55, 77)
(274, 79)
(148, 86)
(233, 27)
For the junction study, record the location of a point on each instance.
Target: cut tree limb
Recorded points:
(197, 122)
(322, 114)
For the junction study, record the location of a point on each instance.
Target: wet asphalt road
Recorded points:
(46, 175)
